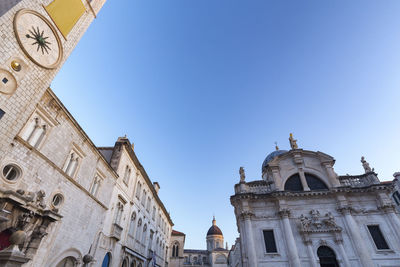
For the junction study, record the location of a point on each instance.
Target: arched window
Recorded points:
(144, 234)
(138, 189)
(173, 251)
(67, 262)
(132, 224)
(127, 175)
(106, 260)
(35, 131)
(327, 257)
(138, 230)
(125, 263)
(294, 183)
(313, 182)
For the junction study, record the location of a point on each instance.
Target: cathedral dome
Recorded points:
(214, 229)
(271, 156)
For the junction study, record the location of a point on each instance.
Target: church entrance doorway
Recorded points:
(4, 239)
(327, 257)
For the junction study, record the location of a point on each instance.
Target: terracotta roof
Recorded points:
(174, 232)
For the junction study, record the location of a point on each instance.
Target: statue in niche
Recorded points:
(365, 165)
(293, 142)
(242, 174)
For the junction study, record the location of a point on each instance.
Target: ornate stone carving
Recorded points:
(40, 199)
(317, 223)
(24, 219)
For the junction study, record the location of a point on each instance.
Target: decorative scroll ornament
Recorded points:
(316, 223)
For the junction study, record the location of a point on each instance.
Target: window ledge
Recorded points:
(273, 254)
(384, 251)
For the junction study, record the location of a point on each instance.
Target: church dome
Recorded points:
(214, 229)
(271, 156)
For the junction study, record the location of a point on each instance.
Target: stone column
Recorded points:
(331, 174)
(308, 243)
(250, 250)
(291, 244)
(339, 242)
(359, 243)
(303, 180)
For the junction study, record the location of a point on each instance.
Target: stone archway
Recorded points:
(327, 257)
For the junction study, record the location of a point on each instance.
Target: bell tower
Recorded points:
(36, 38)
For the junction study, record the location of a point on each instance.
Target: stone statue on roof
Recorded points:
(293, 142)
(365, 165)
(242, 174)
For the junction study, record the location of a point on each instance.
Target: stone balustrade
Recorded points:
(363, 180)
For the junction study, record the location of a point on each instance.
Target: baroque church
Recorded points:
(214, 256)
(65, 202)
(302, 213)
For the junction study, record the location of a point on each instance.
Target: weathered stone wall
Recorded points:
(32, 80)
(41, 168)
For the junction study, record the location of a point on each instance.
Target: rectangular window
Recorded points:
(269, 239)
(377, 236)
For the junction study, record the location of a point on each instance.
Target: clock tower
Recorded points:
(36, 37)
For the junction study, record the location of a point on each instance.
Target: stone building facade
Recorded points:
(215, 255)
(303, 214)
(75, 203)
(63, 201)
(25, 72)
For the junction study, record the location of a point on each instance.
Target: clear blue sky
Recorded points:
(203, 87)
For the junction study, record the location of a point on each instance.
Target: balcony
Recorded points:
(363, 180)
(116, 231)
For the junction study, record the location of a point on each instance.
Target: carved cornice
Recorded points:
(387, 208)
(301, 194)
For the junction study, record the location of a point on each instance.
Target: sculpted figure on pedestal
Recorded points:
(293, 142)
(365, 165)
(242, 174)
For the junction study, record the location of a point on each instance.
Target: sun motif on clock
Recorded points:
(38, 38)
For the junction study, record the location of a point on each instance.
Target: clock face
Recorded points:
(38, 38)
